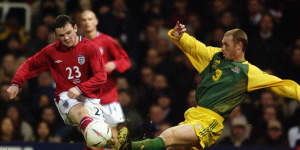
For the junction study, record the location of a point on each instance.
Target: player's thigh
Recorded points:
(113, 114)
(67, 106)
(180, 135)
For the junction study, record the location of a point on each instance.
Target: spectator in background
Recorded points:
(49, 19)
(22, 127)
(250, 20)
(154, 121)
(153, 59)
(161, 85)
(134, 120)
(145, 88)
(170, 114)
(123, 84)
(227, 20)
(42, 102)
(42, 85)
(13, 26)
(292, 66)
(49, 115)
(260, 127)
(294, 134)
(159, 23)
(166, 66)
(8, 132)
(149, 39)
(150, 11)
(215, 9)
(43, 6)
(14, 45)
(8, 68)
(38, 40)
(120, 24)
(236, 113)
(274, 136)
(195, 26)
(270, 99)
(215, 37)
(266, 42)
(180, 12)
(45, 11)
(43, 133)
(239, 136)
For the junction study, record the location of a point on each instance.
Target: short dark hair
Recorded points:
(62, 20)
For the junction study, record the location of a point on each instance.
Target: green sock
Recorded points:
(148, 144)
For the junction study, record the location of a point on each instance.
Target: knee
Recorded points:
(168, 136)
(77, 112)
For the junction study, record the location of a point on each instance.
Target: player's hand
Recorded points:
(110, 66)
(178, 30)
(11, 91)
(73, 92)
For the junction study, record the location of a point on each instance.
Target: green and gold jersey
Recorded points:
(225, 84)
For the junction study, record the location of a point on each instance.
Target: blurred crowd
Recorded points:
(161, 83)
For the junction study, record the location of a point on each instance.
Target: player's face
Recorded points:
(229, 48)
(67, 35)
(88, 21)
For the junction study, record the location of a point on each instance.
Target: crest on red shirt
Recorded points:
(81, 59)
(101, 50)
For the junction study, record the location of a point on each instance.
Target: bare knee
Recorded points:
(77, 112)
(182, 135)
(168, 136)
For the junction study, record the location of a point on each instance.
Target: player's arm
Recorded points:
(198, 53)
(29, 69)
(258, 79)
(121, 59)
(97, 67)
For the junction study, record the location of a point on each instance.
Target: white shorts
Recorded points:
(113, 113)
(92, 104)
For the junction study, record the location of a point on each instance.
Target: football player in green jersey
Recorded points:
(226, 80)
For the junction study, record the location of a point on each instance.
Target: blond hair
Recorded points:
(238, 36)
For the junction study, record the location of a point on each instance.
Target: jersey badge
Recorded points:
(236, 69)
(81, 59)
(101, 50)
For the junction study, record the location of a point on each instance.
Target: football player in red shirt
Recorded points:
(77, 68)
(115, 59)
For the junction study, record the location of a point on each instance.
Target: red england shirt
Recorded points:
(80, 66)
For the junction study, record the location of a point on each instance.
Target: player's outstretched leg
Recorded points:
(178, 135)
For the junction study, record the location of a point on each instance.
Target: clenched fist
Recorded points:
(74, 92)
(12, 91)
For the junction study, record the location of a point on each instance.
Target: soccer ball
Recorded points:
(96, 134)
